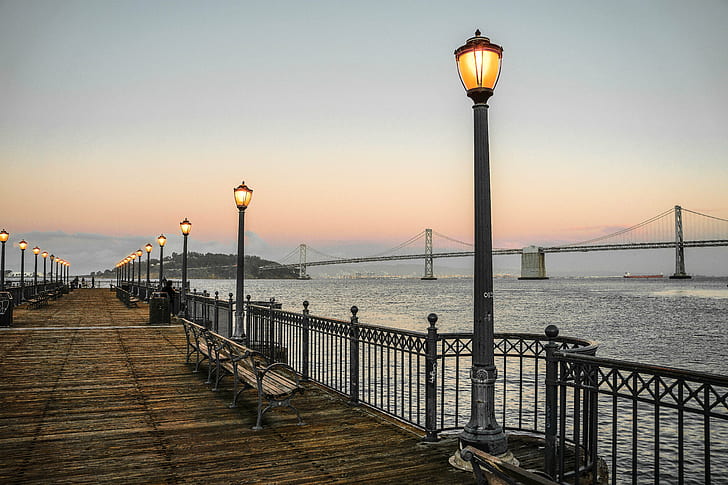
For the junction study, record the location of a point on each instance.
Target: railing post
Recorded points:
(271, 336)
(305, 342)
(354, 357)
(246, 337)
(550, 450)
(230, 315)
(216, 314)
(431, 380)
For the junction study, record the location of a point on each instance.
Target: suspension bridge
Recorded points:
(676, 228)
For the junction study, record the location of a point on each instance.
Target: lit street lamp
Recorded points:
(4, 235)
(132, 257)
(139, 253)
(148, 248)
(44, 254)
(161, 240)
(185, 226)
(22, 245)
(36, 251)
(243, 194)
(478, 63)
(51, 268)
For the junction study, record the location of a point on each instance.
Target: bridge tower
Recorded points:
(679, 248)
(429, 273)
(302, 275)
(533, 264)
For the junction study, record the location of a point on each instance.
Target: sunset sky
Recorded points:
(119, 119)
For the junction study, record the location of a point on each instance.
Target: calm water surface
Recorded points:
(676, 323)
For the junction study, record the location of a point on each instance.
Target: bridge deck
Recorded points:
(91, 394)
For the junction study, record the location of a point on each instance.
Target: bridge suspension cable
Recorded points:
(438, 234)
(400, 246)
(323, 254)
(289, 256)
(620, 232)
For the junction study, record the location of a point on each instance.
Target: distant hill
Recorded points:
(210, 265)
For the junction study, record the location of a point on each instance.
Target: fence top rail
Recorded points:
(577, 345)
(671, 372)
(209, 300)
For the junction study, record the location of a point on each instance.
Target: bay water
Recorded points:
(674, 323)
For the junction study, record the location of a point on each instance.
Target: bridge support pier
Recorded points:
(680, 273)
(429, 270)
(533, 264)
(302, 274)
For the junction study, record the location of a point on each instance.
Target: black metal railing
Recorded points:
(421, 378)
(649, 424)
(599, 417)
(21, 294)
(213, 313)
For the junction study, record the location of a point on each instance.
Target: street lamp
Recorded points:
(51, 265)
(44, 255)
(148, 248)
(139, 253)
(4, 235)
(162, 240)
(22, 245)
(243, 194)
(478, 63)
(36, 251)
(132, 257)
(185, 226)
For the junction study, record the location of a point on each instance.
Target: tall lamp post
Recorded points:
(162, 240)
(132, 274)
(44, 255)
(51, 267)
(36, 251)
(148, 248)
(185, 226)
(4, 235)
(478, 63)
(22, 245)
(243, 194)
(139, 253)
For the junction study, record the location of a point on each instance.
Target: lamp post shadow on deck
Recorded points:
(243, 194)
(478, 63)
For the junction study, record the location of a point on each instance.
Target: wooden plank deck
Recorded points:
(90, 394)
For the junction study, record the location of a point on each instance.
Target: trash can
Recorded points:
(159, 308)
(6, 309)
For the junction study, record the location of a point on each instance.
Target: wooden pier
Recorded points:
(90, 392)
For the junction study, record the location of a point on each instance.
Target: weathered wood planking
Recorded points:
(120, 404)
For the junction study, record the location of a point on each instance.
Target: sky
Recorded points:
(349, 122)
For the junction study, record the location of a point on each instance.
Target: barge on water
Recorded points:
(630, 275)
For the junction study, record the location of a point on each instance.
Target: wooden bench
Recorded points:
(276, 383)
(126, 297)
(485, 464)
(39, 300)
(199, 345)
